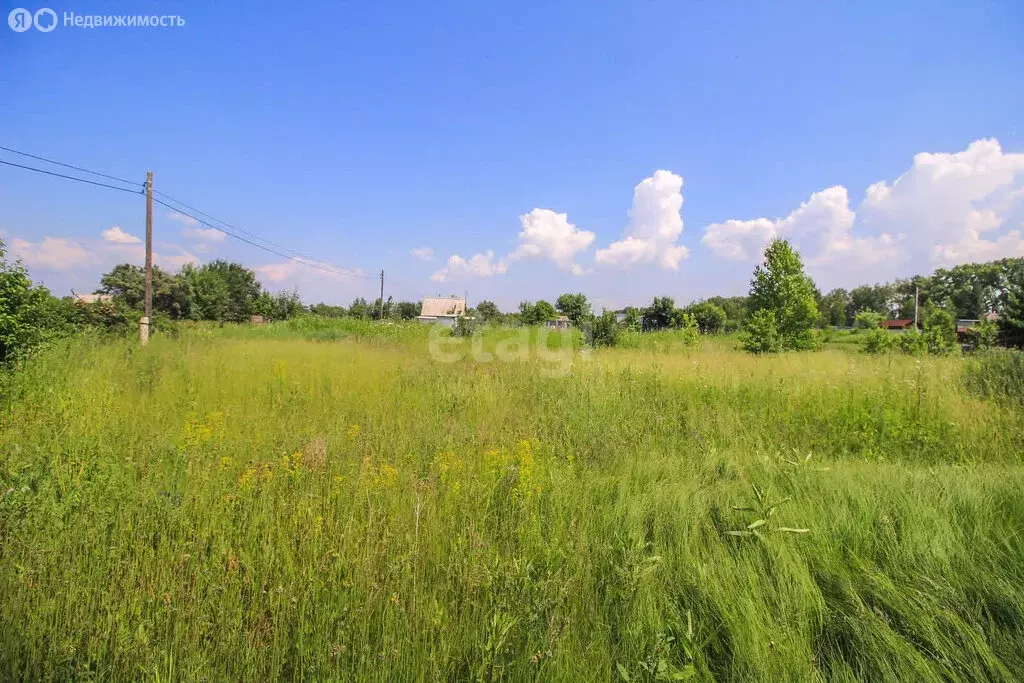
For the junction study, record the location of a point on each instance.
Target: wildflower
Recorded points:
(353, 432)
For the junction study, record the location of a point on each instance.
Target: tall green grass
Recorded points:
(254, 504)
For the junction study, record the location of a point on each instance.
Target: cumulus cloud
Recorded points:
(118, 236)
(550, 235)
(478, 265)
(423, 253)
(191, 228)
(947, 208)
(53, 253)
(656, 222)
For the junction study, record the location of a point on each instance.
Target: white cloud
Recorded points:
(655, 224)
(550, 235)
(302, 269)
(190, 229)
(478, 265)
(118, 236)
(53, 253)
(423, 253)
(183, 219)
(947, 208)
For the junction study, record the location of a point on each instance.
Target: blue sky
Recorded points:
(358, 132)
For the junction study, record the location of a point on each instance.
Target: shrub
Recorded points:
(605, 331)
(867, 320)
(879, 341)
(912, 343)
(762, 335)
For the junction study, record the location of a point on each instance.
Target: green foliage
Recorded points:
(328, 311)
(997, 374)
(281, 306)
(29, 314)
(359, 308)
(867, 320)
(407, 310)
(575, 307)
(488, 311)
(710, 318)
(605, 330)
(878, 340)
(632, 320)
(940, 332)
(1011, 313)
(762, 332)
(172, 294)
(780, 286)
(983, 335)
(662, 314)
(912, 343)
(536, 314)
(834, 306)
(218, 508)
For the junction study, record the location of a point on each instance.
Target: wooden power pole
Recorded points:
(382, 294)
(144, 323)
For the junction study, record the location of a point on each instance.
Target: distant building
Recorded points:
(898, 324)
(559, 323)
(443, 310)
(92, 298)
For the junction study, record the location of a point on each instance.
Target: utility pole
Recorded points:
(382, 294)
(916, 290)
(144, 323)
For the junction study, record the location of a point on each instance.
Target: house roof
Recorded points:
(437, 306)
(92, 298)
(898, 322)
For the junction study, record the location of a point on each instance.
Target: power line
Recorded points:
(68, 177)
(232, 227)
(303, 260)
(76, 168)
(296, 256)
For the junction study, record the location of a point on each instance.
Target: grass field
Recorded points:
(320, 501)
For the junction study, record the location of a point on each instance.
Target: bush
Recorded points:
(867, 320)
(879, 341)
(912, 343)
(605, 331)
(762, 335)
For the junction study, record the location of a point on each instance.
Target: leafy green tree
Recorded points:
(940, 332)
(735, 308)
(328, 311)
(172, 294)
(575, 307)
(359, 308)
(761, 333)
(834, 306)
(877, 298)
(632, 320)
(29, 314)
(536, 313)
(1011, 312)
(779, 285)
(488, 311)
(662, 314)
(280, 306)
(867, 320)
(407, 310)
(878, 340)
(984, 335)
(605, 330)
(222, 291)
(710, 318)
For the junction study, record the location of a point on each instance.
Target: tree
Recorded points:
(1011, 313)
(407, 310)
(605, 331)
(867, 320)
(359, 308)
(632, 319)
(662, 314)
(779, 285)
(877, 298)
(575, 307)
(222, 291)
(535, 314)
(280, 306)
(29, 314)
(327, 310)
(172, 294)
(762, 332)
(940, 332)
(834, 306)
(710, 318)
(735, 308)
(488, 311)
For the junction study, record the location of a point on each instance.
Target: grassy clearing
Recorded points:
(252, 503)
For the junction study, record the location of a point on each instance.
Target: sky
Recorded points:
(511, 151)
